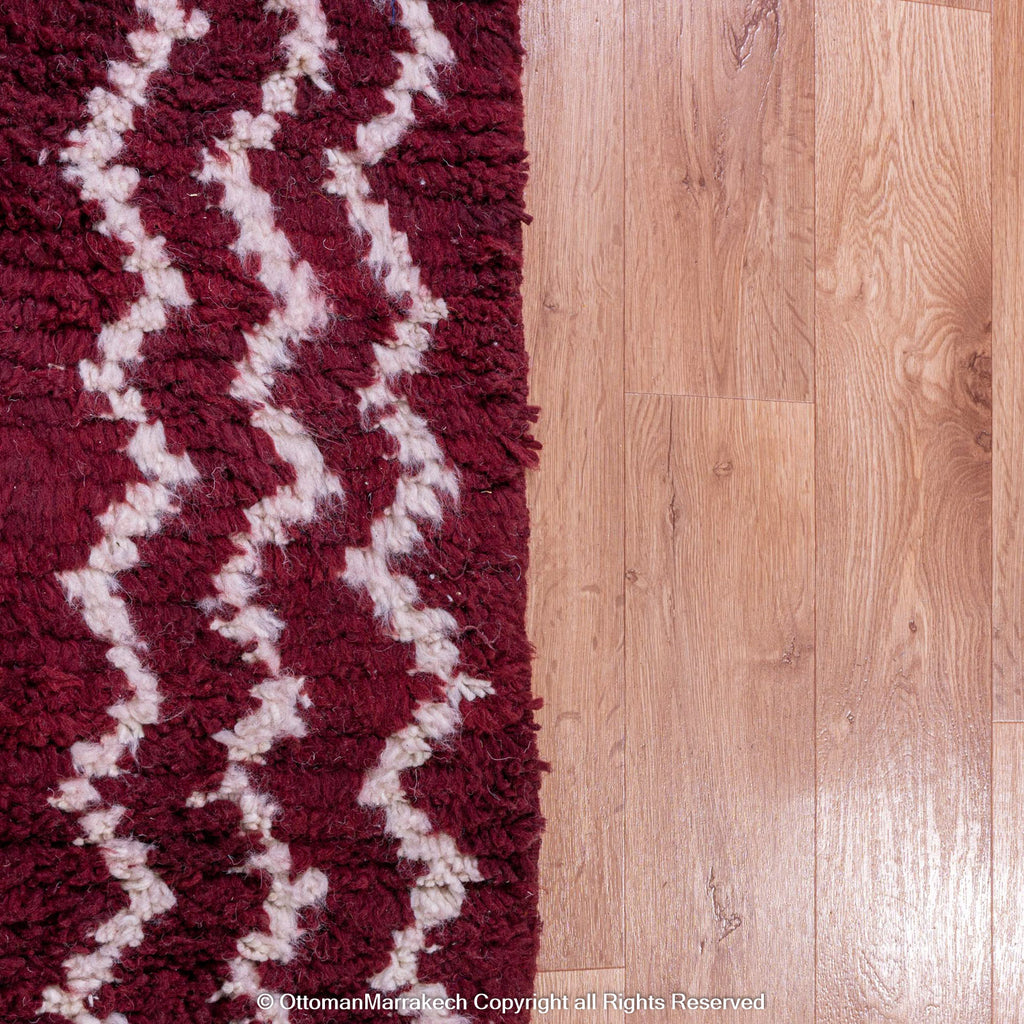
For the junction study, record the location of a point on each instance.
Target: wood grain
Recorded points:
(903, 513)
(966, 5)
(719, 672)
(1007, 872)
(573, 315)
(720, 197)
(577, 984)
(1008, 359)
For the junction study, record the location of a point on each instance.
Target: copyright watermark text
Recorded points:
(408, 1005)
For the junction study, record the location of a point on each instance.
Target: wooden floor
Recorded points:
(775, 306)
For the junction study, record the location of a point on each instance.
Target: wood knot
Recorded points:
(978, 379)
(723, 468)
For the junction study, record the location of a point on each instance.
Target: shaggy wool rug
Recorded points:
(268, 750)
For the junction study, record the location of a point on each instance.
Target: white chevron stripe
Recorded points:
(89, 156)
(86, 973)
(437, 895)
(301, 312)
(284, 902)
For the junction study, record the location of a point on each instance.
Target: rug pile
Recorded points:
(268, 733)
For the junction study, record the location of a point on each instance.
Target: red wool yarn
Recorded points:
(268, 748)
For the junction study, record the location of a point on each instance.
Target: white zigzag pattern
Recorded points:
(437, 895)
(302, 311)
(93, 588)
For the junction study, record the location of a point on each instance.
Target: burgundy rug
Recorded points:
(268, 736)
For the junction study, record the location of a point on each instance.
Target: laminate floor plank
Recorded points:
(1008, 358)
(903, 485)
(573, 318)
(720, 198)
(1007, 872)
(581, 985)
(719, 673)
